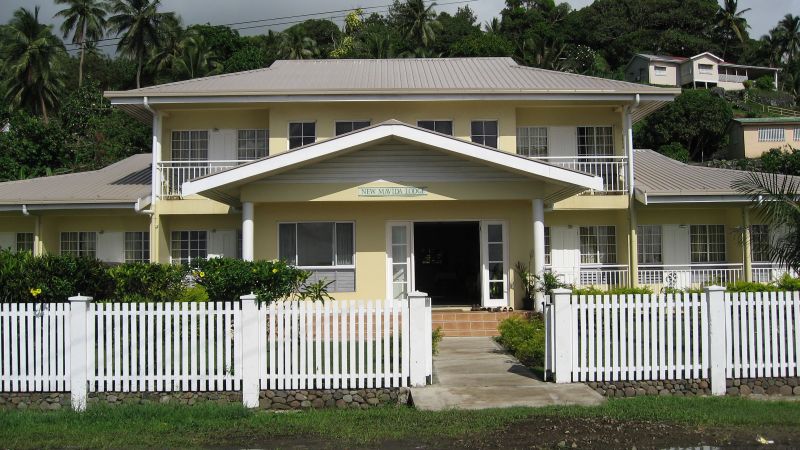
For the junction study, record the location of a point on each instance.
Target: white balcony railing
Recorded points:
(765, 272)
(610, 168)
(172, 174)
(730, 78)
(600, 276)
(689, 276)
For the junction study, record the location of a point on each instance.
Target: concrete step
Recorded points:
(438, 397)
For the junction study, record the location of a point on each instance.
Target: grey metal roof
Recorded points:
(124, 182)
(657, 175)
(664, 58)
(406, 75)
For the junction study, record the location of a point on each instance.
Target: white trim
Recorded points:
(484, 237)
(320, 150)
(409, 226)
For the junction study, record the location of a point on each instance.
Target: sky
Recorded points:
(763, 16)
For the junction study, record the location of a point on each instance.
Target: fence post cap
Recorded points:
(417, 294)
(80, 298)
(714, 288)
(561, 291)
(249, 296)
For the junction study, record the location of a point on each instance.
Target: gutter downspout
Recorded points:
(37, 231)
(633, 251)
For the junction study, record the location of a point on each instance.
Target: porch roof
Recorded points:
(223, 185)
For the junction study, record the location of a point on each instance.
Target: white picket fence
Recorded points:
(217, 346)
(673, 336)
(35, 347)
(337, 344)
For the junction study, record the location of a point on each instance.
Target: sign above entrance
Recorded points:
(404, 191)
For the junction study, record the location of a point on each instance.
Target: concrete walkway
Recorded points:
(475, 373)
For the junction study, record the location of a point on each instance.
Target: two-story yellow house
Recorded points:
(388, 176)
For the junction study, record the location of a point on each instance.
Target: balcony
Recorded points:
(172, 174)
(731, 78)
(611, 168)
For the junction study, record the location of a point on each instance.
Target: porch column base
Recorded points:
(247, 231)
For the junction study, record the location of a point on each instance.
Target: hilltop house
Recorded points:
(703, 70)
(387, 176)
(752, 137)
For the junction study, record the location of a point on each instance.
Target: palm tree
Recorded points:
(86, 20)
(731, 22)
(197, 59)
(138, 21)
(378, 45)
(543, 54)
(293, 44)
(172, 35)
(788, 34)
(493, 26)
(33, 55)
(416, 21)
(777, 198)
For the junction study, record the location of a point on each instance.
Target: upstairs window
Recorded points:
(598, 244)
(439, 126)
(137, 246)
(770, 134)
(187, 246)
(346, 126)
(302, 133)
(705, 68)
(707, 243)
(532, 141)
(595, 141)
(484, 132)
(190, 145)
(79, 243)
(660, 71)
(24, 242)
(796, 134)
(252, 144)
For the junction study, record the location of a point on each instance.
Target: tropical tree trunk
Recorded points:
(139, 73)
(83, 54)
(44, 108)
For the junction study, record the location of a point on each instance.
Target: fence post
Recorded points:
(251, 385)
(562, 335)
(78, 330)
(717, 358)
(419, 333)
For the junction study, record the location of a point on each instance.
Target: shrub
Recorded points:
(749, 286)
(765, 83)
(787, 283)
(147, 282)
(594, 290)
(524, 338)
(436, 337)
(675, 151)
(193, 294)
(227, 279)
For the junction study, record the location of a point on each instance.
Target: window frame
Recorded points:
(548, 247)
(190, 150)
(351, 122)
(302, 136)
(707, 252)
(771, 134)
(334, 266)
(80, 252)
(594, 145)
(650, 253)
(180, 260)
(528, 129)
(598, 258)
(760, 255)
(452, 125)
(256, 150)
(144, 237)
(660, 71)
(709, 70)
(484, 136)
(17, 241)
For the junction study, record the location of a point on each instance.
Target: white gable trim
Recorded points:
(366, 136)
(709, 54)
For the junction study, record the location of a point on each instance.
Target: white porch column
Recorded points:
(155, 174)
(247, 231)
(538, 247)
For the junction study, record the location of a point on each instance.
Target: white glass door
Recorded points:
(399, 267)
(494, 250)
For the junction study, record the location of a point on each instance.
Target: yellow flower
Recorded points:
(275, 270)
(35, 291)
(202, 274)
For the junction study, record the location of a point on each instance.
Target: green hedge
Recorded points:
(593, 290)
(524, 338)
(54, 278)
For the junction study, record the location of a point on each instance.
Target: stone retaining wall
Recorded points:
(683, 388)
(764, 386)
(269, 399)
(332, 398)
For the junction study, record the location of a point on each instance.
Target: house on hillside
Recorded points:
(389, 176)
(752, 137)
(703, 70)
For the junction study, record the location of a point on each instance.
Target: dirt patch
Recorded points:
(567, 432)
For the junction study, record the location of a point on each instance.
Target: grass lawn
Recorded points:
(212, 425)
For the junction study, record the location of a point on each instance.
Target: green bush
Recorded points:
(765, 83)
(194, 294)
(524, 338)
(594, 290)
(749, 286)
(137, 282)
(787, 283)
(675, 151)
(227, 279)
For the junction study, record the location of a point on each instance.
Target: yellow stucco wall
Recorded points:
(750, 147)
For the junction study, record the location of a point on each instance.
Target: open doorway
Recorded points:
(447, 262)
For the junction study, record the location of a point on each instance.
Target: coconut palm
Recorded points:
(731, 22)
(33, 55)
(172, 35)
(86, 20)
(293, 44)
(788, 34)
(777, 198)
(543, 54)
(492, 26)
(416, 21)
(196, 58)
(138, 22)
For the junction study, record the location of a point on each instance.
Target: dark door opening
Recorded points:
(447, 262)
